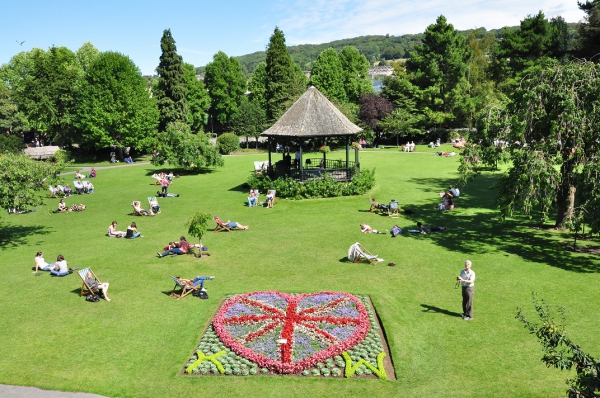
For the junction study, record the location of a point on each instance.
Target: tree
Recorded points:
(327, 75)
(171, 89)
(250, 120)
(551, 125)
(561, 352)
(114, 108)
(12, 121)
(282, 77)
(11, 144)
(403, 121)
(438, 69)
(197, 226)
(373, 110)
(226, 86)
(197, 99)
(21, 180)
(355, 69)
(258, 86)
(180, 148)
(589, 30)
(86, 55)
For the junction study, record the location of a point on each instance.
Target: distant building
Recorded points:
(380, 71)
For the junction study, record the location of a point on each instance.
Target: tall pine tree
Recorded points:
(171, 89)
(281, 88)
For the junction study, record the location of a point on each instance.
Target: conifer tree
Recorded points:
(281, 88)
(171, 89)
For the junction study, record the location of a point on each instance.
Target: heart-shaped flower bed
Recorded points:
(288, 333)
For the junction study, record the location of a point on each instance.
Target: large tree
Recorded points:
(257, 85)
(22, 180)
(250, 120)
(438, 69)
(282, 77)
(551, 126)
(373, 110)
(355, 69)
(327, 75)
(171, 89)
(589, 30)
(226, 86)
(114, 108)
(197, 99)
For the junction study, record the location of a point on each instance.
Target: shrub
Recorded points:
(11, 144)
(62, 156)
(325, 187)
(228, 143)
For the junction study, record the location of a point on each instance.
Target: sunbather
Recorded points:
(79, 175)
(77, 207)
(137, 206)
(95, 285)
(182, 248)
(364, 228)
(112, 231)
(60, 267)
(395, 231)
(230, 224)
(154, 205)
(132, 232)
(41, 264)
(62, 207)
(423, 229)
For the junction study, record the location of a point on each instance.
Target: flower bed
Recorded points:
(318, 334)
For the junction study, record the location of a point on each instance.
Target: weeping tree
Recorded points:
(550, 128)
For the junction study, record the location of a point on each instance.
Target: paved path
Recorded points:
(34, 392)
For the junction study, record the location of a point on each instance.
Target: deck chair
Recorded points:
(188, 286)
(222, 227)
(78, 185)
(85, 288)
(141, 212)
(150, 204)
(357, 253)
(394, 209)
(274, 192)
(53, 193)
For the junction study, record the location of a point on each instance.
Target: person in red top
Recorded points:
(183, 248)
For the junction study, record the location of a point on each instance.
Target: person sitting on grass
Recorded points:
(62, 207)
(60, 267)
(94, 285)
(132, 232)
(376, 206)
(128, 159)
(41, 264)
(112, 231)
(364, 228)
(230, 224)
(92, 173)
(79, 175)
(182, 248)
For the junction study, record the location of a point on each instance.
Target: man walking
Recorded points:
(467, 280)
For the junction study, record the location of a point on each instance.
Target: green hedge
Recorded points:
(228, 143)
(326, 187)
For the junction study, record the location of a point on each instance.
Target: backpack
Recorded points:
(92, 298)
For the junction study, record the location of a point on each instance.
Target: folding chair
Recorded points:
(85, 288)
(188, 286)
(274, 193)
(150, 199)
(221, 227)
(394, 209)
(78, 185)
(53, 192)
(358, 252)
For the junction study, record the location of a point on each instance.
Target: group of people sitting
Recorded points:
(375, 206)
(448, 198)
(138, 211)
(435, 144)
(57, 268)
(254, 196)
(131, 233)
(63, 208)
(409, 147)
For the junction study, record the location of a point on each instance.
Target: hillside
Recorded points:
(374, 48)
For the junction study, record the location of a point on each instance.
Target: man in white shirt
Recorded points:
(467, 280)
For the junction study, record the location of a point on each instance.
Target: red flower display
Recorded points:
(287, 333)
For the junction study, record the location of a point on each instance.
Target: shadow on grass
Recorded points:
(179, 171)
(474, 227)
(432, 308)
(15, 235)
(240, 188)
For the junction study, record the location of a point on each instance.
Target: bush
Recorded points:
(11, 144)
(228, 143)
(325, 187)
(62, 156)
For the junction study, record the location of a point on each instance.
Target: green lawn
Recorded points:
(136, 345)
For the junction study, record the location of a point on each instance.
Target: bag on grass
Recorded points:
(92, 298)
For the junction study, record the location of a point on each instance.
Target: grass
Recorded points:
(136, 345)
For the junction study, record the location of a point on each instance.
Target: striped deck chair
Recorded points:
(85, 288)
(221, 226)
(188, 286)
(358, 252)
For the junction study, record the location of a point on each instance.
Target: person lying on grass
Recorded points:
(423, 229)
(182, 248)
(230, 224)
(364, 228)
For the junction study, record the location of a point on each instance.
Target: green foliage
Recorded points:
(198, 224)
(258, 85)
(23, 179)
(589, 30)
(327, 75)
(171, 90)
(62, 156)
(179, 147)
(561, 352)
(226, 86)
(250, 119)
(228, 143)
(11, 144)
(11, 119)
(326, 187)
(197, 99)
(86, 55)
(114, 108)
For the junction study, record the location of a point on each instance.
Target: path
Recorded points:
(34, 392)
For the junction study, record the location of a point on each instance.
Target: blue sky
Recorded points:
(202, 28)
